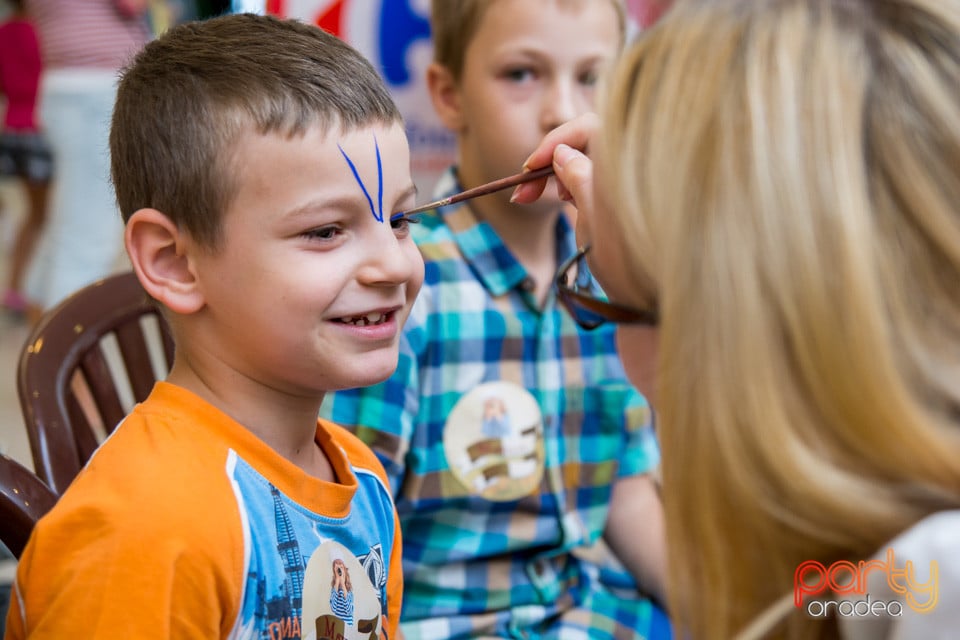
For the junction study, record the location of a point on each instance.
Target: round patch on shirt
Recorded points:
(493, 441)
(339, 600)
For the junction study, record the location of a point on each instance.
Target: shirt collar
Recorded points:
(482, 248)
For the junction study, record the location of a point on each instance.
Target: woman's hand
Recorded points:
(565, 147)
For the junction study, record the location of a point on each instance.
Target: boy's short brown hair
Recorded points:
(187, 97)
(453, 23)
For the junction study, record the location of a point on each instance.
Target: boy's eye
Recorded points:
(518, 74)
(402, 222)
(321, 233)
(589, 77)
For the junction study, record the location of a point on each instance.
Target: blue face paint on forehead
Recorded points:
(378, 211)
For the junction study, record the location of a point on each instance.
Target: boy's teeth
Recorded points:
(362, 321)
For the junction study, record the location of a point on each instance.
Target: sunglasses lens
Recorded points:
(572, 296)
(584, 300)
(581, 314)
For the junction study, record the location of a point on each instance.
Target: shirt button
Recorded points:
(528, 284)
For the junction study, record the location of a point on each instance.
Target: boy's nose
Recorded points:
(560, 104)
(388, 262)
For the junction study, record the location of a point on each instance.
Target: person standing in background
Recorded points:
(84, 43)
(24, 152)
(504, 519)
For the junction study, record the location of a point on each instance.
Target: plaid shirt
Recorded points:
(492, 509)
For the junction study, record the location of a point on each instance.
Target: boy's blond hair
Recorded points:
(453, 24)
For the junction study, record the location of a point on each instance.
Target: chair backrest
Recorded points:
(23, 499)
(84, 366)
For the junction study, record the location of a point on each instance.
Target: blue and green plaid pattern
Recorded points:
(479, 568)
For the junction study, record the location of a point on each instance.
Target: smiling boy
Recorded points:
(258, 164)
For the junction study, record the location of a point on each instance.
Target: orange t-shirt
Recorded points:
(185, 525)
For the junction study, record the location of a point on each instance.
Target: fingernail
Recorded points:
(515, 194)
(563, 154)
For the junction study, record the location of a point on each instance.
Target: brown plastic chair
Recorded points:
(24, 498)
(84, 366)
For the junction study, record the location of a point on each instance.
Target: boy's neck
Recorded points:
(529, 234)
(285, 423)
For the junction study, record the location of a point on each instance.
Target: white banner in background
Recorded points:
(395, 36)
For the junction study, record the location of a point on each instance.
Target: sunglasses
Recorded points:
(581, 296)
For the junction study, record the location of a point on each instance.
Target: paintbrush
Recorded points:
(484, 189)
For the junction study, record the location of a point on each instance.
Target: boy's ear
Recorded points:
(445, 95)
(159, 254)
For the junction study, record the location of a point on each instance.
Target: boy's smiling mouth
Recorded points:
(362, 321)
(370, 318)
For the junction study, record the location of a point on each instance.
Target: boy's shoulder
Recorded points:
(147, 484)
(165, 453)
(148, 443)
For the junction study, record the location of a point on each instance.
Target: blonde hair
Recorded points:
(786, 175)
(453, 24)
